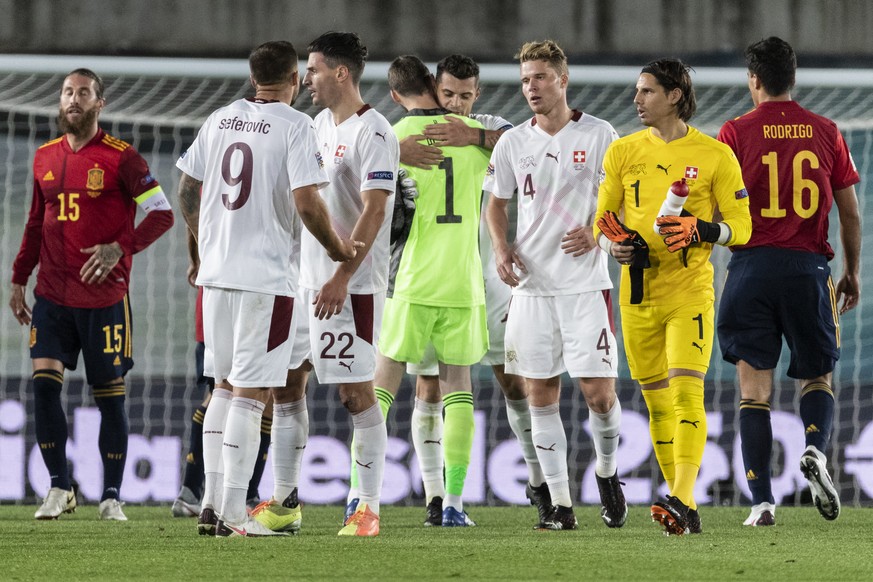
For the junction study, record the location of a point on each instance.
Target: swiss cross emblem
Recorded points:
(690, 173)
(579, 156)
(340, 151)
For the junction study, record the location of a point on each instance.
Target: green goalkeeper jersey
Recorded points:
(440, 264)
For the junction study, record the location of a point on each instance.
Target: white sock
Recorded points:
(427, 438)
(242, 436)
(289, 437)
(518, 413)
(454, 501)
(550, 440)
(604, 432)
(371, 441)
(213, 436)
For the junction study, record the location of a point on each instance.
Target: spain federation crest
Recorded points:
(94, 185)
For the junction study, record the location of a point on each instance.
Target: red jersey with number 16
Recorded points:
(81, 199)
(792, 160)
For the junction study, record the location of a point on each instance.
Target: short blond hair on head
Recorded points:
(545, 50)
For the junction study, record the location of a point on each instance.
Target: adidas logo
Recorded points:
(811, 429)
(48, 176)
(116, 361)
(750, 476)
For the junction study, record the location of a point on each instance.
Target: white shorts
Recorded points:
(248, 337)
(342, 349)
(497, 294)
(546, 336)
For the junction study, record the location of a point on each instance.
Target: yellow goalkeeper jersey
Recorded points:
(639, 170)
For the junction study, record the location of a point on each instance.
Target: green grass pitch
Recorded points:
(153, 545)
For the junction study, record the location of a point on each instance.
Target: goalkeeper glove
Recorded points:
(404, 207)
(613, 229)
(680, 232)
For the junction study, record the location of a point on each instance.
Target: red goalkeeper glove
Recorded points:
(680, 232)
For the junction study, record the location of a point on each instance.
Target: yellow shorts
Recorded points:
(659, 338)
(459, 334)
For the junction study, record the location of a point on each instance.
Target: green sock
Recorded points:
(457, 439)
(385, 399)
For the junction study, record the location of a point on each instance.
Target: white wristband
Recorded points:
(605, 244)
(724, 234)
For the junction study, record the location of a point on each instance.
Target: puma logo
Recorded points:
(549, 448)
(553, 156)
(693, 423)
(670, 442)
(299, 448)
(365, 466)
(436, 442)
(528, 430)
(382, 135)
(344, 365)
(607, 362)
(609, 438)
(660, 167)
(698, 346)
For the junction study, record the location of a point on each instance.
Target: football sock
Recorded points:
(290, 435)
(662, 428)
(260, 459)
(51, 425)
(756, 440)
(690, 437)
(385, 399)
(458, 429)
(518, 414)
(605, 429)
(193, 477)
(427, 438)
(817, 414)
(112, 439)
(371, 441)
(241, 443)
(550, 441)
(214, 422)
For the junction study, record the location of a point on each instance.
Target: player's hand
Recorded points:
(679, 232)
(102, 260)
(630, 248)
(849, 290)
(18, 304)
(505, 259)
(192, 274)
(416, 154)
(578, 241)
(330, 299)
(452, 133)
(346, 251)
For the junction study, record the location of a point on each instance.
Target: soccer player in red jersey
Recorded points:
(81, 232)
(795, 165)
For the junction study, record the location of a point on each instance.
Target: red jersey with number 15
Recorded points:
(81, 199)
(792, 160)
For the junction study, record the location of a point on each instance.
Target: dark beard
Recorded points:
(80, 127)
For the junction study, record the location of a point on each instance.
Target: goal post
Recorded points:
(157, 104)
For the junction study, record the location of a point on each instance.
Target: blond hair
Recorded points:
(546, 50)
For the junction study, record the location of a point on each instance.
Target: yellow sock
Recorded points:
(662, 425)
(690, 435)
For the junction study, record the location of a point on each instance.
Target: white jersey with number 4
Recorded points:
(556, 177)
(361, 153)
(250, 155)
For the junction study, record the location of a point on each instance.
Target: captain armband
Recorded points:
(153, 199)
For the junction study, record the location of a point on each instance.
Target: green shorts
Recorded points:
(459, 334)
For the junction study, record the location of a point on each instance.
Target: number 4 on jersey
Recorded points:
(528, 186)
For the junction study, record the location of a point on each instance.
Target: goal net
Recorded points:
(158, 105)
